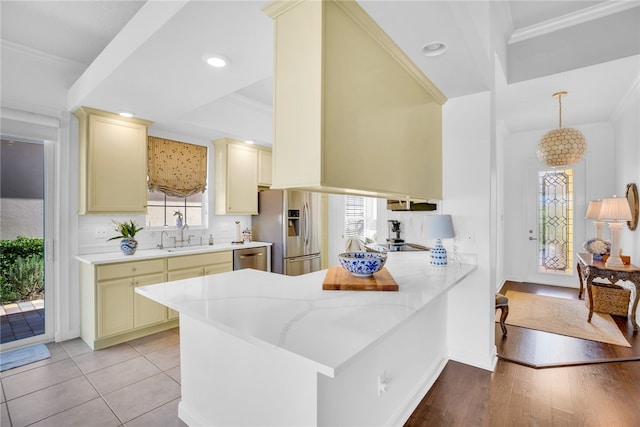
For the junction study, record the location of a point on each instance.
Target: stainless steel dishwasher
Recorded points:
(255, 258)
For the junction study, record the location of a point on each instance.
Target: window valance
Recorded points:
(176, 168)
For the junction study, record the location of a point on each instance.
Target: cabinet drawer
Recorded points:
(127, 269)
(198, 260)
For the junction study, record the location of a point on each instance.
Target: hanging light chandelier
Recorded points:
(562, 146)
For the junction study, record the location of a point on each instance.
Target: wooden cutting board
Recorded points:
(339, 279)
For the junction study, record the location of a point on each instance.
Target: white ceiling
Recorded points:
(147, 57)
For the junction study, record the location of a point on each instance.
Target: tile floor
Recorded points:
(21, 320)
(136, 383)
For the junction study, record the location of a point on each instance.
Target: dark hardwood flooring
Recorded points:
(575, 389)
(604, 394)
(543, 349)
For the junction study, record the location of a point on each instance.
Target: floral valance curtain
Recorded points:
(176, 168)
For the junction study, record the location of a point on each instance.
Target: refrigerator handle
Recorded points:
(306, 224)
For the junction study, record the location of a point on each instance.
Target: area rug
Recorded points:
(23, 356)
(562, 316)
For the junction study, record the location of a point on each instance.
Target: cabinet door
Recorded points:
(217, 268)
(186, 273)
(242, 180)
(264, 168)
(145, 311)
(115, 306)
(116, 170)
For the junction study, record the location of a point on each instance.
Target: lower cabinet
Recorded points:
(111, 312)
(145, 311)
(185, 267)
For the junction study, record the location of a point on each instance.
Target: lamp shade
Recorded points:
(615, 209)
(437, 227)
(593, 210)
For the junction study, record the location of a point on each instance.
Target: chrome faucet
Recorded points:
(185, 226)
(161, 245)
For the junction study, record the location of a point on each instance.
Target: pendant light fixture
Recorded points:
(562, 146)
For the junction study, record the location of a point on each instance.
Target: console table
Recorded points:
(589, 269)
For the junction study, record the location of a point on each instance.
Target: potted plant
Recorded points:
(178, 216)
(127, 230)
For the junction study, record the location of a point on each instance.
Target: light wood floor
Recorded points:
(595, 394)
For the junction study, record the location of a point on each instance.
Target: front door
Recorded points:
(552, 236)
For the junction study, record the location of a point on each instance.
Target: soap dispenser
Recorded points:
(210, 239)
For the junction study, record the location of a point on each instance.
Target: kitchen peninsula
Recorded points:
(259, 348)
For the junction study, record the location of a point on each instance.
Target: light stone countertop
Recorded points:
(324, 329)
(111, 257)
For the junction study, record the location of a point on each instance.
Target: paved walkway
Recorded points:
(21, 320)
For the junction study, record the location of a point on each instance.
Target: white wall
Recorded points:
(21, 217)
(626, 122)
(467, 163)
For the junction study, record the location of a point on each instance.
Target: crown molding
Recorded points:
(579, 17)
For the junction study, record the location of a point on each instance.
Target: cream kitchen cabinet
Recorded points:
(264, 167)
(112, 163)
(185, 267)
(111, 311)
(236, 177)
(353, 114)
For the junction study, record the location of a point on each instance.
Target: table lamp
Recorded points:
(615, 211)
(593, 212)
(438, 227)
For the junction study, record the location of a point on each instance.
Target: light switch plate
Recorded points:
(101, 232)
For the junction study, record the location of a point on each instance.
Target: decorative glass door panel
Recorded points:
(555, 207)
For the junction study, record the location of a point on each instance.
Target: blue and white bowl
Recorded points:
(363, 264)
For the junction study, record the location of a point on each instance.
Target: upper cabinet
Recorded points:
(264, 167)
(239, 170)
(113, 163)
(353, 114)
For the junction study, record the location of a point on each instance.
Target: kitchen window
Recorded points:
(161, 209)
(177, 180)
(360, 218)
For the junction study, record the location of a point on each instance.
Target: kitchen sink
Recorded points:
(186, 249)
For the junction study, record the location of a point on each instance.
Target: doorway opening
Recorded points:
(22, 234)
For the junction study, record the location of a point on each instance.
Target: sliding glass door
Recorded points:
(23, 229)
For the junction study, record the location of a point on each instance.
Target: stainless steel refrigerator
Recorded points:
(290, 220)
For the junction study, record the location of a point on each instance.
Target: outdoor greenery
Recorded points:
(21, 269)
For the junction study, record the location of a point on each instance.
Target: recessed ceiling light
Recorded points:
(125, 114)
(216, 61)
(434, 49)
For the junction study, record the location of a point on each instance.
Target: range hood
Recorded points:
(408, 205)
(352, 113)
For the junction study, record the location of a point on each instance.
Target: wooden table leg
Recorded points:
(589, 292)
(635, 307)
(579, 270)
